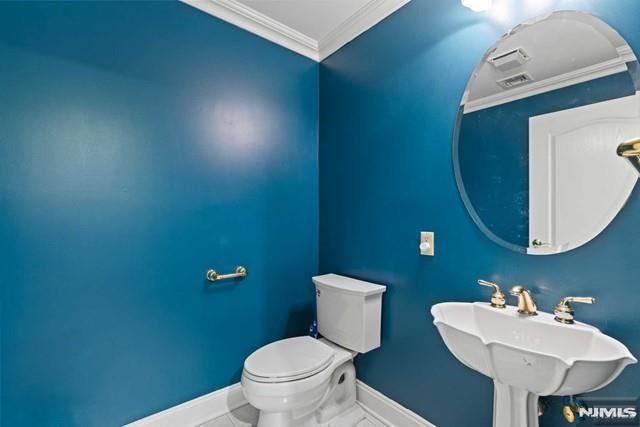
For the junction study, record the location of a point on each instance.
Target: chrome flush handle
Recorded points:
(497, 297)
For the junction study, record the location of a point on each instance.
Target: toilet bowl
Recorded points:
(307, 382)
(297, 394)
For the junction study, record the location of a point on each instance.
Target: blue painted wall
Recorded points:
(387, 110)
(494, 157)
(140, 144)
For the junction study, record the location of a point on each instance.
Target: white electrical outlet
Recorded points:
(427, 243)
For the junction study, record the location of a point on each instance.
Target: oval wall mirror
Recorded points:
(536, 138)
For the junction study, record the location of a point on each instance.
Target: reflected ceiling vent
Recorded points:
(517, 80)
(509, 60)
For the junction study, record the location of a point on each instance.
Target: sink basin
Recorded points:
(528, 356)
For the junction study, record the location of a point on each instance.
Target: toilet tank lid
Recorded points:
(348, 285)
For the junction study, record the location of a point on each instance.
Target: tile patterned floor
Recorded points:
(244, 416)
(247, 416)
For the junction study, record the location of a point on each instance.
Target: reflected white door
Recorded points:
(577, 182)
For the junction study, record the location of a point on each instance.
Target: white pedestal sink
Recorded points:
(528, 356)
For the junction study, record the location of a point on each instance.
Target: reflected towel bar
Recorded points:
(629, 148)
(631, 151)
(213, 276)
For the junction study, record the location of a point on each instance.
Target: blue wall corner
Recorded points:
(137, 150)
(388, 106)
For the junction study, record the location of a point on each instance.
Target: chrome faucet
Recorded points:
(526, 303)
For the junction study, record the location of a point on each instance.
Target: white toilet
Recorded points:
(308, 382)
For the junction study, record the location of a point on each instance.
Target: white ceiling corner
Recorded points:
(313, 28)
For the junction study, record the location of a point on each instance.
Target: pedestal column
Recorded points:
(514, 407)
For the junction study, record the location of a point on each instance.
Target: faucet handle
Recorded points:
(564, 312)
(497, 297)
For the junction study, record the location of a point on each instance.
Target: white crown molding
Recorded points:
(261, 25)
(591, 72)
(358, 23)
(626, 53)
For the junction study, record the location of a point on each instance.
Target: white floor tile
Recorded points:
(223, 421)
(247, 416)
(373, 422)
(244, 416)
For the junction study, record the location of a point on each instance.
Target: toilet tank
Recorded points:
(349, 311)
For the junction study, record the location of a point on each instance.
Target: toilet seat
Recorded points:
(288, 360)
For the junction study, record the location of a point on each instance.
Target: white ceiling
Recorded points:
(313, 28)
(313, 18)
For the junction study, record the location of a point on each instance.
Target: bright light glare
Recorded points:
(477, 5)
(538, 6)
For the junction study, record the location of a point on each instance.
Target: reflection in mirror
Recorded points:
(540, 122)
(630, 150)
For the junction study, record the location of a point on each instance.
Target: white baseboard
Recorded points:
(389, 411)
(223, 401)
(196, 411)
